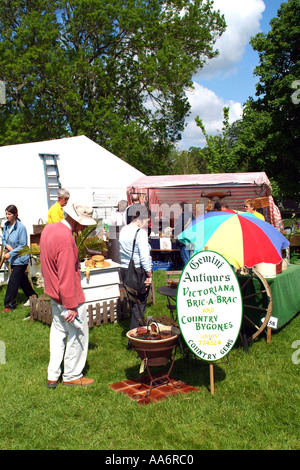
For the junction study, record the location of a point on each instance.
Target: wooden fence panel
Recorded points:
(108, 312)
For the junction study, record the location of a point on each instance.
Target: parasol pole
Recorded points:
(211, 367)
(269, 333)
(211, 378)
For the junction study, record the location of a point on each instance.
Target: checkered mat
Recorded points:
(137, 389)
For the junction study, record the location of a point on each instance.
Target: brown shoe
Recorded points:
(83, 382)
(52, 383)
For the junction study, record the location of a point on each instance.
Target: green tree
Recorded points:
(187, 162)
(218, 154)
(115, 71)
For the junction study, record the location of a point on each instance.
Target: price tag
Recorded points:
(272, 323)
(142, 366)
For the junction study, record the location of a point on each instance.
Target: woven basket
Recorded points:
(261, 202)
(37, 229)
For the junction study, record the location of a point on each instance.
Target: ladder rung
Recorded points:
(51, 168)
(51, 175)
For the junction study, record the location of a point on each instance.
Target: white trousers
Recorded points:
(68, 345)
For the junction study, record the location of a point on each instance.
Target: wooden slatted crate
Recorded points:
(261, 202)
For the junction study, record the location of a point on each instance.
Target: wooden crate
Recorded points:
(108, 311)
(261, 202)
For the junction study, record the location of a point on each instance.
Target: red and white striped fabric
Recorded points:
(275, 215)
(168, 191)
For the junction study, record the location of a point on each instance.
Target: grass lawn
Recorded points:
(255, 405)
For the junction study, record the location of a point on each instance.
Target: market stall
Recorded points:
(165, 192)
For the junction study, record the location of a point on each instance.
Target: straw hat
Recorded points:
(82, 214)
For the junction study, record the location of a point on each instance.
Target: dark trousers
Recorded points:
(137, 311)
(17, 279)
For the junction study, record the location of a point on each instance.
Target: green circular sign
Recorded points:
(209, 305)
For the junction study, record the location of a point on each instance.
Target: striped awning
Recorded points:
(167, 192)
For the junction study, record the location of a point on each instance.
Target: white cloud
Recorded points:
(243, 21)
(209, 107)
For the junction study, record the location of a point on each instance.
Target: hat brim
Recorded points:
(69, 210)
(106, 264)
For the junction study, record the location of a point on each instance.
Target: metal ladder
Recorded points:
(51, 176)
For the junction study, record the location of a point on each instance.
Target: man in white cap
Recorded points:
(61, 273)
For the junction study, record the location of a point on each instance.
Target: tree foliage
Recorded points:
(219, 156)
(187, 162)
(113, 70)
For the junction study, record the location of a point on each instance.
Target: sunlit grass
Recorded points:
(255, 405)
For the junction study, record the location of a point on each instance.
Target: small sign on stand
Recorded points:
(272, 325)
(209, 307)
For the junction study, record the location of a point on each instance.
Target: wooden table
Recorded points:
(285, 288)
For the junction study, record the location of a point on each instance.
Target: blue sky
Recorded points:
(228, 80)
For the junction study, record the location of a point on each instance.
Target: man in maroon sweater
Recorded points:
(61, 273)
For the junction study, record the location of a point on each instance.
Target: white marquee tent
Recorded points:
(92, 175)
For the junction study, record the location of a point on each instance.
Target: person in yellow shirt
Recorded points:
(56, 212)
(249, 205)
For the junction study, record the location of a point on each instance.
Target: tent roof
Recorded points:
(165, 192)
(168, 181)
(81, 163)
(91, 173)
